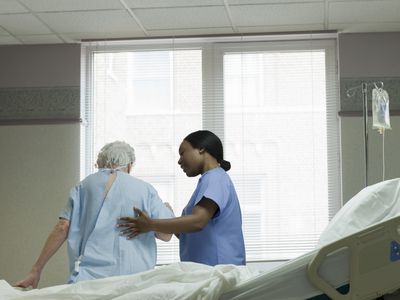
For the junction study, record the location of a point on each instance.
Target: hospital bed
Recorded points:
(369, 261)
(359, 247)
(366, 261)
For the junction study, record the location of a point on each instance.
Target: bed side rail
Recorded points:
(374, 262)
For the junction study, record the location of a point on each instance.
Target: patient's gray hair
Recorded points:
(116, 154)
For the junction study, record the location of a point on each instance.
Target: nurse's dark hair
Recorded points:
(204, 139)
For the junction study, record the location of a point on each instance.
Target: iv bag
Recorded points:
(380, 109)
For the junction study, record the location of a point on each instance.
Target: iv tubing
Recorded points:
(383, 154)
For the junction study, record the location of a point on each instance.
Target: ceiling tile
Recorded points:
(40, 39)
(280, 28)
(80, 36)
(366, 27)
(8, 40)
(7, 7)
(3, 32)
(22, 24)
(183, 17)
(71, 5)
(76, 20)
(191, 32)
(277, 14)
(364, 11)
(171, 3)
(244, 2)
(90, 22)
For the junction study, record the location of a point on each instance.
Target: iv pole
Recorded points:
(350, 93)
(365, 118)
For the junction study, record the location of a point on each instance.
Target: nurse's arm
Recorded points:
(54, 241)
(196, 221)
(201, 214)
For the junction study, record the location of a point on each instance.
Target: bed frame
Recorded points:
(374, 262)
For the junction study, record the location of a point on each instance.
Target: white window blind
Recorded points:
(276, 136)
(273, 104)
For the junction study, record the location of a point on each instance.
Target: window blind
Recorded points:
(273, 104)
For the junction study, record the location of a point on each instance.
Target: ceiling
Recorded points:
(71, 21)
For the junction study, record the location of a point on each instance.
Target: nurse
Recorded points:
(210, 228)
(95, 247)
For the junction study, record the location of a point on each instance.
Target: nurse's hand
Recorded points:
(135, 226)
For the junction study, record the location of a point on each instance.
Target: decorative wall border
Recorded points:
(353, 106)
(39, 105)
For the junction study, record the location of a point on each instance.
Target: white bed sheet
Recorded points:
(176, 281)
(187, 280)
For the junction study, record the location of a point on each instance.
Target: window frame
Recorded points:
(213, 50)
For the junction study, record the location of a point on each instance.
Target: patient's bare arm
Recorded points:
(54, 241)
(170, 207)
(166, 237)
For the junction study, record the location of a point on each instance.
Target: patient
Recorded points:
(95, 247)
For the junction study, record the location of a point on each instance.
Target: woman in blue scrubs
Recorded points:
(210, 228)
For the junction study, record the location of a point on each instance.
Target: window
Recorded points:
(274, 105)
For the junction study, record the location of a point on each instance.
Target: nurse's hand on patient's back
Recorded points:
(31, 280)
(131, 227)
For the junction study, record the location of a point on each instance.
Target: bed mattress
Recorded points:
(289, 281)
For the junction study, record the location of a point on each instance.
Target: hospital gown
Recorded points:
(95, 247)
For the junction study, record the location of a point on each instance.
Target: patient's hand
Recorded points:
(31, 280)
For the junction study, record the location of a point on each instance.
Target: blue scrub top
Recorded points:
(221, 240)
(95, 247)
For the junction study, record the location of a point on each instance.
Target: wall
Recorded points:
(39, 152)
(367, 57)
